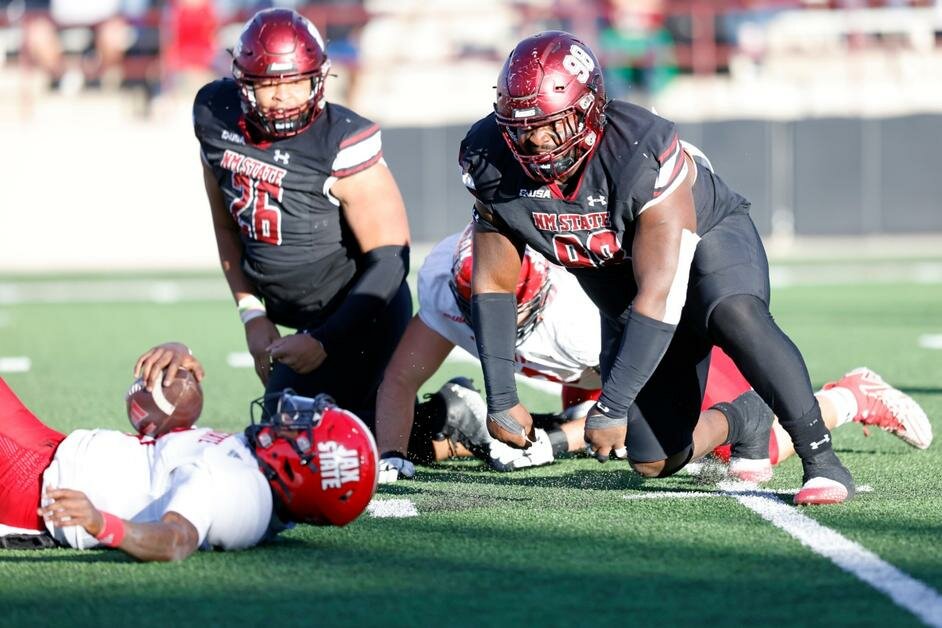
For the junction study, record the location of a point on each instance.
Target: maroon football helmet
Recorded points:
(551, 78)
(280, 45)
(320, 461)
(532, 292)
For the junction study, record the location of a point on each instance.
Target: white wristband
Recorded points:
(250, 307)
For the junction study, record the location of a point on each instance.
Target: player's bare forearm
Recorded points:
(420, 353)
(171, 538)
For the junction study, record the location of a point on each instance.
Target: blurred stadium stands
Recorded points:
(774, 90)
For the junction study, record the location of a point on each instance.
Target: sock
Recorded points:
(844, 402)
(810, 436)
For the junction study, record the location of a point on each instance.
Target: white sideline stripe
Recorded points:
(240, 360)
(461, 356)
(17, 364)
(916, 597)
(740, 486)
(392, 508)
(930, 341)
(905, 591)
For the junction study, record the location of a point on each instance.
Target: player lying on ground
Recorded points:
(555, 342)
(162, 499)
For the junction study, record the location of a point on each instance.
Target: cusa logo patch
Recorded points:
(338, 464)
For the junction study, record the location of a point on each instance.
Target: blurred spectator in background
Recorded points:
(189, 47)
(77, 27)
(637, 49)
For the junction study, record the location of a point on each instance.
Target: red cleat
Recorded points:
(819, 491)
(880, 405)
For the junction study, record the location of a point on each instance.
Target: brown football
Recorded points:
(168, 408)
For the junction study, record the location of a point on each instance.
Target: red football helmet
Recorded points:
(320, 461)
(551, 78)
(276, 45)
(533, 285)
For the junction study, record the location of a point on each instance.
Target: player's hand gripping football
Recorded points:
(515, 428)
(260, 333)
(171, 356)
(603, 443)
(300, 352)
(64, 507)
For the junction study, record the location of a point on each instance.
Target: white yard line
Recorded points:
(392, 508)
(930, 341)
(905, 591)
(15, 364)
(916, 597)
(240, 360)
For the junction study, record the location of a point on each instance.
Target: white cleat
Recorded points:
(880, 405)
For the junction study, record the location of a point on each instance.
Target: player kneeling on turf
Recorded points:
(161, 499)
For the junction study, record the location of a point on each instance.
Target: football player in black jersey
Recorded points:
(662, 246)
(310, 225)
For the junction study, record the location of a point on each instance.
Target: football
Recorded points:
(166, 408)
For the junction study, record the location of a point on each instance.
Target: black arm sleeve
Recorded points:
(643, 343)
(384, 269)
(494, 316)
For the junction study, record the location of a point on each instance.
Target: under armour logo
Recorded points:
(825, 440)
(601, 200)
(282, 157)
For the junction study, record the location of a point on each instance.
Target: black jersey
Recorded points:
(297, 247)
(638, 161)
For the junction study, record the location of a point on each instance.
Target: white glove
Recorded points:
(503, 457)
(395, 468)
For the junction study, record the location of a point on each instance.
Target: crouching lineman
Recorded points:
(309, 462)
(558, 341)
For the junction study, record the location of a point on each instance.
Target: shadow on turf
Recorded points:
(917, 390)
(578, 478)
(63, 555)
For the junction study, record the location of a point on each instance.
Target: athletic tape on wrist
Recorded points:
(250, 308)
(599, 421)
(112, 532)
(506, 421)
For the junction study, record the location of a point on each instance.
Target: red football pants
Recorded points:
(26, 449)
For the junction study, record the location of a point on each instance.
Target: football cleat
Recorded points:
(880, 405)
(503, 457)
(749, 455)
(826, 481)
(465, 413)
(750, 470)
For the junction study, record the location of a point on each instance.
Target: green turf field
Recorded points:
(576, 542)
